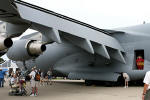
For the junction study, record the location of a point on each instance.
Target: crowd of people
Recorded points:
(36, 77)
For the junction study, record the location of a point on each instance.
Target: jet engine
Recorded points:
(5, 43)
(25, 49)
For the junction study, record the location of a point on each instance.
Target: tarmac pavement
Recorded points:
(76, 90)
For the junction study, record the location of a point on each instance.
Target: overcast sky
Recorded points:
(101, 13)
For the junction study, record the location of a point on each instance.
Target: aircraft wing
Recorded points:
(54, 26)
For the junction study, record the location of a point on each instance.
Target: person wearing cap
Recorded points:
(33, 82)
(2, 73)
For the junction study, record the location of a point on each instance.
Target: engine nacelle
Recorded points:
(5, 43)
(25, 49)
(35, 48)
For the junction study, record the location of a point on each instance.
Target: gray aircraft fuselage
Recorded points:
(79, 64)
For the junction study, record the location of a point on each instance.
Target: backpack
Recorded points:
(37, 77)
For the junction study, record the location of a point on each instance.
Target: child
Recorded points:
(13, 80)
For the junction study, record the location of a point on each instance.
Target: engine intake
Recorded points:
(5, 43)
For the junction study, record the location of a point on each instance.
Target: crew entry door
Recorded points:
(139, 59)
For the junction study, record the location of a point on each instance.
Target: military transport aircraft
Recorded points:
(73, 48)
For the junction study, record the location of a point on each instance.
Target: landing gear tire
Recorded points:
(120, 81)
(88, 82)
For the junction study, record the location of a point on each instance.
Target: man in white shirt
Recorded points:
(33, 82)
(146, 90)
